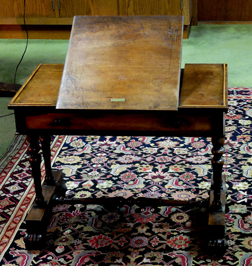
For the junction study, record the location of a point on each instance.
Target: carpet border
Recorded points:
(11, 228)
(15, 146)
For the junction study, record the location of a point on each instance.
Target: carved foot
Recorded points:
(216, 247)
(217, 242)
(34, 241)
(38, 218)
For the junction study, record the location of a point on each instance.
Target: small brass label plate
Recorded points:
(117, 100)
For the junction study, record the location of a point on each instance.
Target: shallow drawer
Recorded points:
(152, 123)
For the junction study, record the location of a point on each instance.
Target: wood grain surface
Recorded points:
(136, 58)
(41, 88)
(224, 10)
(204, 86)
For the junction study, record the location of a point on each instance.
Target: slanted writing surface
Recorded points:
(122, 63)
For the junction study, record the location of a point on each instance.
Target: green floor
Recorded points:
(229, 44)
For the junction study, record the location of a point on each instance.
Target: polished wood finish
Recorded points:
(45, 141)
(217, 164)
(185, 122)
(205, 86)
(48, 32)
(7, 9)
(49, 120)
(36, 115)
(53, 12)
(93, 8)
(31, 94)
(49, 12)
(53, 32)
(125, 123)
(224, 10)
(149, 7)
(15, 8)
(38, 218)
(194, 21)
(116, 58)
(186, 8)
(35, 32)
(35, 161)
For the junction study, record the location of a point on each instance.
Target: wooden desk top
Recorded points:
(204, 86)
(41, 89)
(122, 63)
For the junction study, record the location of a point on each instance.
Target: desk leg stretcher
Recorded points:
(198, 109)
(53, 190)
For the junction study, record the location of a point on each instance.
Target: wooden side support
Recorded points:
(215, 241)
(45, 142)
(217, 165)
(37, 115)
(35, 161)
(38, 217)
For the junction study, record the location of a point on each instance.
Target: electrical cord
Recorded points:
(20, 61)
(25, 27)
(6, 115)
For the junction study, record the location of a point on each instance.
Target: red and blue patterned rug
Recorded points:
(152, 167)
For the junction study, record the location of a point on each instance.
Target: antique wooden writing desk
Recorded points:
(122, 76)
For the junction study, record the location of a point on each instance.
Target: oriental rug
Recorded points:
(152, 167)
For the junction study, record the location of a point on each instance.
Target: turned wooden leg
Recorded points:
(45, 142)
(39, 215)
(217, 164)
(38, 219)
(215, 239)
(35, 161)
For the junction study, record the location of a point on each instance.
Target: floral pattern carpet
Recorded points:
(131, 167)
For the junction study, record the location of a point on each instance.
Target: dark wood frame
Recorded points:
(39, 122)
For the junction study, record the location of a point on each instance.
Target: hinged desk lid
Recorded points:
(122, 63)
